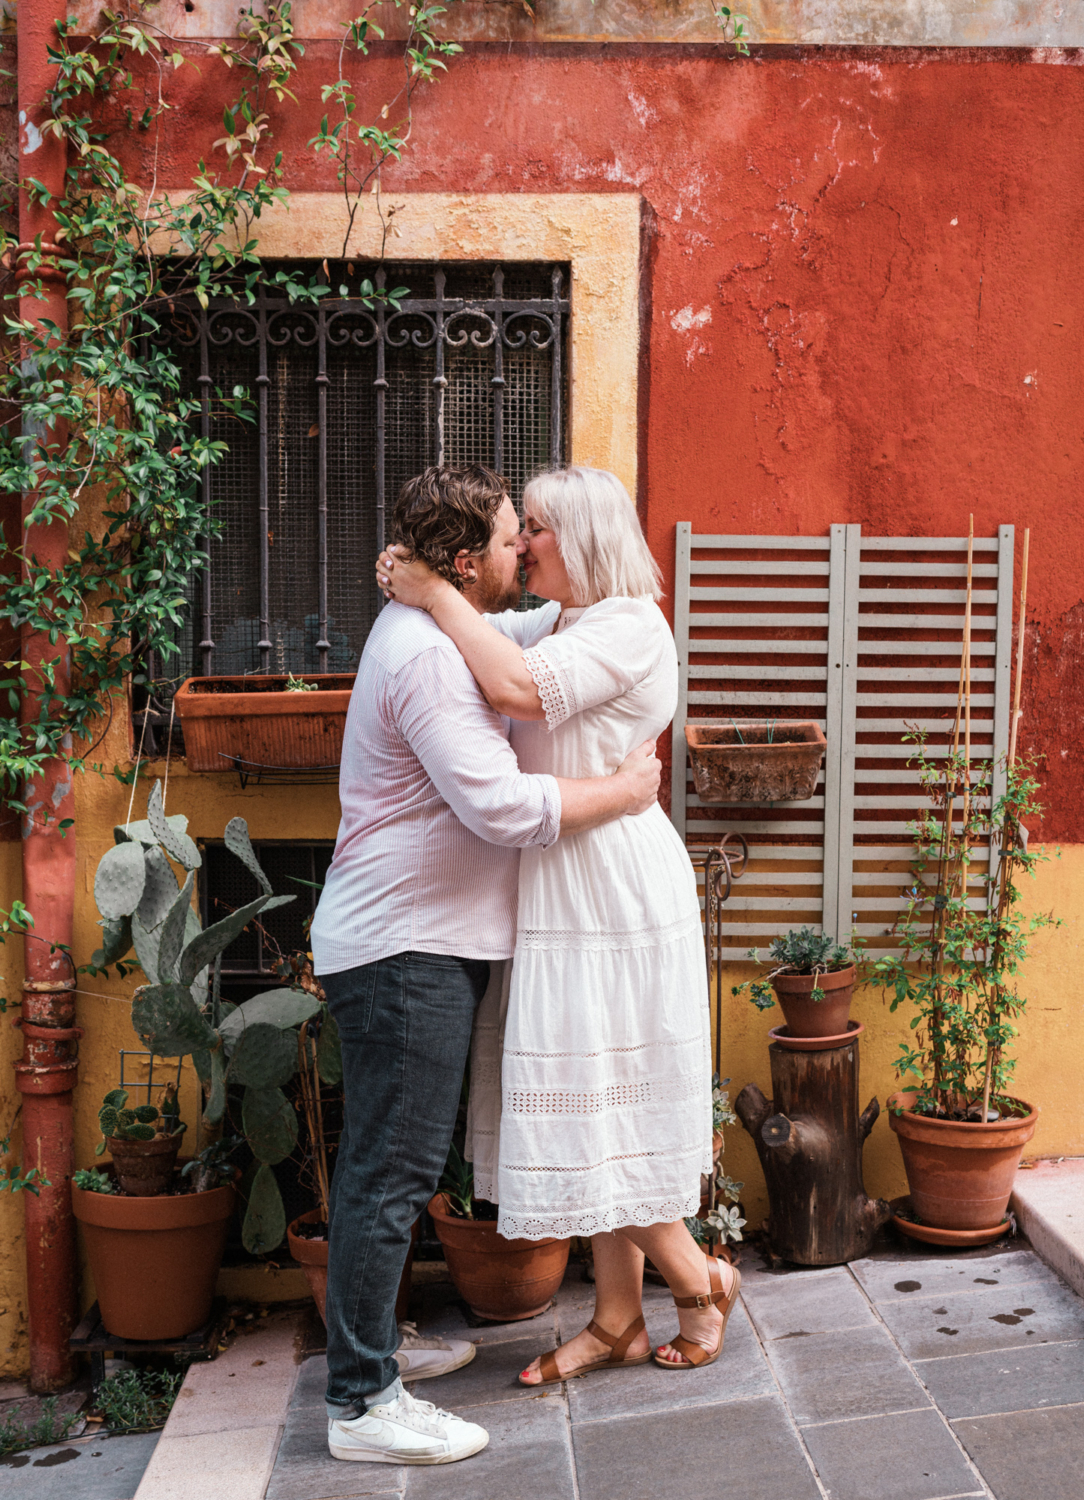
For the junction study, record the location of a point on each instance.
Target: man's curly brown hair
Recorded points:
(444, 511)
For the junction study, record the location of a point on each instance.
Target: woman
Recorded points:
(590, 1095)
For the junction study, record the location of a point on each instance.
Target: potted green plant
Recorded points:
(718, 1225)
(961, 1130)
(154, 1243)
(144, 1142)
(280, 721)
(813, 979)
(252, 1048)
(502, 1280)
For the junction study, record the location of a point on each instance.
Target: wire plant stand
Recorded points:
(722, 863)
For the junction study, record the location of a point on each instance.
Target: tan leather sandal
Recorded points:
(550, 1373)
(695, 1356)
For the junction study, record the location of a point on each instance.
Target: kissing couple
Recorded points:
(503, 872)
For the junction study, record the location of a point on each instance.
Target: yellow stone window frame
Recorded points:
(597, 234)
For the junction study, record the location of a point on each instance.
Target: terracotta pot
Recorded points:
(254, 720)
(738, 762)
(144, 1168)
(311, 1256)
(503, 1280)
(154, 1260)
(960, 1176)
(808, 1017)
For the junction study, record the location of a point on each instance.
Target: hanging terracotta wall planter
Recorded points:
(960, 1174)
(254, 720)
(503, 1280)
(755, 760)
(154, 1260)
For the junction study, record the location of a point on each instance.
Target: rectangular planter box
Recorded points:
(734, 761)
(254, 720)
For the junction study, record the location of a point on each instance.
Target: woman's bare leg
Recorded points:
(676, 1254)
(619, 1279)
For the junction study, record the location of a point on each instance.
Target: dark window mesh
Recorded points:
(412, 433)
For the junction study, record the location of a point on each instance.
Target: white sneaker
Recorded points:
(405, 1431)
(421, 1356)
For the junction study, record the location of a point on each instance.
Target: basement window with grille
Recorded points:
(293, 868)
(350, 402)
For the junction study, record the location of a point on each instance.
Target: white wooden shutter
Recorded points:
(784, 627)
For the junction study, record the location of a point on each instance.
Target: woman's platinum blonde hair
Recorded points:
(598, 534)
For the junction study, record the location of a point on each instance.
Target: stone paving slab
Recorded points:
(986, 1318)
(91, 1468)
(1035, 1376)
(1048, 1200)
(806, 1302)
(855, 1373)
(1031, 1455)
(905, 1456)
(305, 1470)
(749, 1450)
(529, 1457)
(899, 1277)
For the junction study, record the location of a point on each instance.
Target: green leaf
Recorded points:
(173, 929)
(215, 1106)
(147, 1114)
(264, 1225)
(269, 1121)
(108, 1119)
(329, 1052)
(264, 1057)
(139, 1132)
(168, 1021)
(281, 1007)
(118, 881)
(238, 843)
(217, 938)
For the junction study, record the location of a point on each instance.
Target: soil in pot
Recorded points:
(960, 1173)
(144, 1169)
(307, 1238)
(813, 1018)
(154, 1259)
(502, 1280)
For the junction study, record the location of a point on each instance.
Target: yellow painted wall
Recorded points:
(1049, 1051)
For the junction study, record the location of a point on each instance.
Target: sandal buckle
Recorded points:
(703, 1300)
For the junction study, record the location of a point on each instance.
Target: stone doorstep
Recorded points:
(224, 1430)
(1048, 1201)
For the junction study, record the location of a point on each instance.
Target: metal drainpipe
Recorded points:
(46, 1074)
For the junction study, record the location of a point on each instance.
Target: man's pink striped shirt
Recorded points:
(434, 809)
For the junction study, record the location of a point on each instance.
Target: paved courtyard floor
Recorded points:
(906, 1376)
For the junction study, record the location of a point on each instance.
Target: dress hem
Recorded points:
(587, 1222)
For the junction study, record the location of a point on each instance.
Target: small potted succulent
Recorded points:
(502, 1280)
(279, 721)
(144, 1142)
(813, 979)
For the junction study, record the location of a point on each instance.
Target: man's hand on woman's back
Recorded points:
(642, 769)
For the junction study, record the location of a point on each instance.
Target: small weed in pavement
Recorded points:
(51, 1427)
(137, 1400)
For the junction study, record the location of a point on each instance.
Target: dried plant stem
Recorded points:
(314, 1114)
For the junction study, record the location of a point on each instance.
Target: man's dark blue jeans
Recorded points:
(405, 1026)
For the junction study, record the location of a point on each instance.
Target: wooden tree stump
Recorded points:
(809, 1141)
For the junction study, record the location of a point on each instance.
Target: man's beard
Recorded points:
(490, 594)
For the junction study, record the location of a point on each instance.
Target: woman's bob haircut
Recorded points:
(598, 534)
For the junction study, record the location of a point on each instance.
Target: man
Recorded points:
(419, 905)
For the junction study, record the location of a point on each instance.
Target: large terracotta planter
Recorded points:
(503, 1280)
(154, 1260)
(754, 760)
(311, 1256)
(808, 1017)
(253, 720)
(960, 1176)
(145, 1168)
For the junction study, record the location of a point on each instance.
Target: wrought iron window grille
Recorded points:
(350, 401)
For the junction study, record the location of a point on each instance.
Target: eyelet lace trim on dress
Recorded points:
(696, 1040)
(596, 1221)
(638, 1093)
(603, 942)
(550, 688)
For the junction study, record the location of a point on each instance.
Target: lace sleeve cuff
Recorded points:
(550, 689)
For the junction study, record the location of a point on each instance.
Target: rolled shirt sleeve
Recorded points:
(461, 743)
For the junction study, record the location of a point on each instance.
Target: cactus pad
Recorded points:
(270, 1124)
(159, 890)
(119, 881)
(168, 1021)
(264, 1057)
(265, 1217)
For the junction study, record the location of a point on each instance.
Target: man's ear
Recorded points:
(466, 566)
